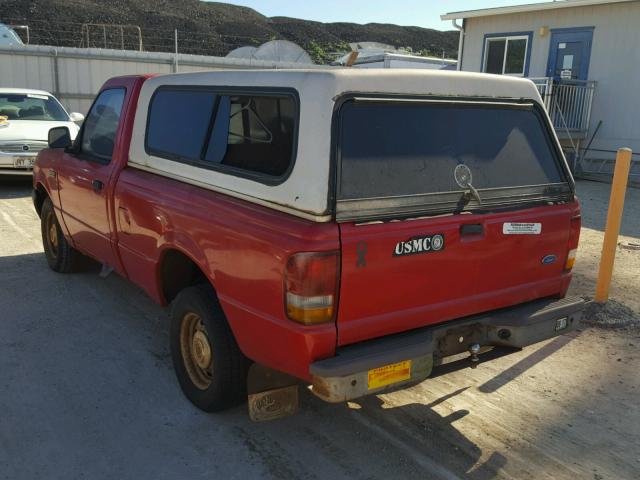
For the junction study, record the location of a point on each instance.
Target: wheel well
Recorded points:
(41, 195)
(177, 272)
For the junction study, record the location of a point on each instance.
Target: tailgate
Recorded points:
(397, 276)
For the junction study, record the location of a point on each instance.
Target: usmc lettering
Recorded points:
(423, 244)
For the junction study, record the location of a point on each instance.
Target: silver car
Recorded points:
(26, 116)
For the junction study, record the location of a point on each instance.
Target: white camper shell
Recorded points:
(311, 98)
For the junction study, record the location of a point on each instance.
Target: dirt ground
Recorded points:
(625, 289)
(87, 390)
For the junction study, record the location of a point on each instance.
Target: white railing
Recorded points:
(568, 102)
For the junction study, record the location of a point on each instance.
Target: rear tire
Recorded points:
(61, 256)
(211, 369)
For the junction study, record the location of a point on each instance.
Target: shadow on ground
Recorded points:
(14, 186)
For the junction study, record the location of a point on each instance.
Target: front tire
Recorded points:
(61, 256)
(210, 367)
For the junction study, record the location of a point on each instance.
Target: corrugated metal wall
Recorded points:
(75, 75)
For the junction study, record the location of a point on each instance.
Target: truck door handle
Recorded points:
(97, 186)
(471, 229)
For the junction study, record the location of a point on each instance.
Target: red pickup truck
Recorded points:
(351, 229)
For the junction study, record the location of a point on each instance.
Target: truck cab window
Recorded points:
(101, 124)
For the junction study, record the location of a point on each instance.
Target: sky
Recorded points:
(421, 13)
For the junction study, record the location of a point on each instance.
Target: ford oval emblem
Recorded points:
(548, 259)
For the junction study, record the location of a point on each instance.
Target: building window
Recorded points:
(507, 54)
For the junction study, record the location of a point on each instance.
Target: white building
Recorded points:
(380, 55)
(584, 55)
(397, 60)
(8, 36)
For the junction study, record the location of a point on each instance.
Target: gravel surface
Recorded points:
(625, 288)
(87, 391)
(611, 314)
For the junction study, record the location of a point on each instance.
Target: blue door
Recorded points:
(569, 53)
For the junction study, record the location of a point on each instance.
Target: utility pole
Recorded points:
(175, 58)
(614, 219)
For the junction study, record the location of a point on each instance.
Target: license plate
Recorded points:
(561, 324)
(389, 374)
(24, 162)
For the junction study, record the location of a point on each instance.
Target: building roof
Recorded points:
(377, 56)
(531, 7)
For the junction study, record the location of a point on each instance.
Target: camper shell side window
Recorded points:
(249, 133)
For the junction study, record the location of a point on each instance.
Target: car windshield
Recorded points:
(31, 106)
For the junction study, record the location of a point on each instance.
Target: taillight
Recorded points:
(571, 259)
(311, 284)
(572, 246)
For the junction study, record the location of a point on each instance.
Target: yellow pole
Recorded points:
(614, 218)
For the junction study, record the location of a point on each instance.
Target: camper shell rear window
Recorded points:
(248, 133)
(417, 156)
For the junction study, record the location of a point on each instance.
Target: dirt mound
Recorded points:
(610, 315)
(205, 28)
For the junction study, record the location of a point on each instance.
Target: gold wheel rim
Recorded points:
(196, 350)
(52, 234)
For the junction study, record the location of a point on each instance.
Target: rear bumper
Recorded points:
(349, 374)
(25, 172)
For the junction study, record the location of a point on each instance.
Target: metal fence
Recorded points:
(601, 163)
(568, 102)
(569, 105)
(75, 75)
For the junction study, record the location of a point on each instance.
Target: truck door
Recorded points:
(84, 177)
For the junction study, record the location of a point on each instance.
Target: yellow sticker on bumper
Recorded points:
(389, 374)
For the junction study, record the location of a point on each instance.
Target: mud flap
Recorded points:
(105, 271)
(271, 394)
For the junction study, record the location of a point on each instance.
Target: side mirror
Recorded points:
(76, 117)
(59, 137)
